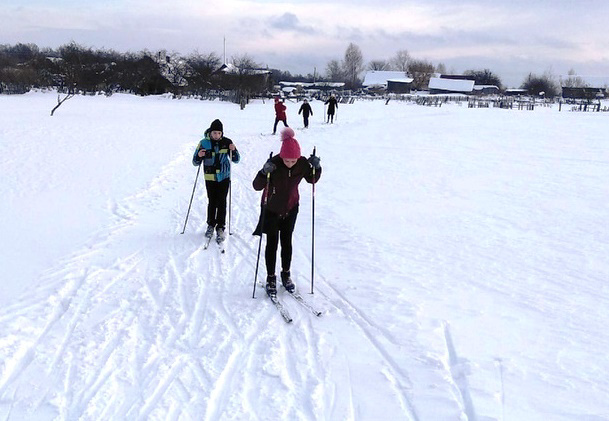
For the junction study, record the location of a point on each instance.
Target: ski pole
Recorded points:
(230, 183)
(191, 197)
(313, 228)
(264, 202)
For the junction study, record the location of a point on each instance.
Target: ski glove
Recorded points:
(314, 161)
(268, 167)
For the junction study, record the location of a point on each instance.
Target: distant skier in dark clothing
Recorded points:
(279, 114)
(306, 110)
(215, 152)
(332, 104)
(286, 172)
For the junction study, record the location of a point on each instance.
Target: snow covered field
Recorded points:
(461, 264)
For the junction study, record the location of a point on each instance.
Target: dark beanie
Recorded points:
(216, 125)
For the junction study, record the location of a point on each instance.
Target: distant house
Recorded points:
(328, 86)
(236, 78)
(387, 81)
(582, 93)
(311, 88)
(439, 85)
(486, 90)
(457, 77)
(515, 92)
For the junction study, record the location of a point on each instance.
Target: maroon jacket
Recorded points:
(280, 110)
(283, 186)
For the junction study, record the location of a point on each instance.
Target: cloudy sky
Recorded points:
(511, 38)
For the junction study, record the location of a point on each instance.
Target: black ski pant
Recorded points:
(306, 120)
(216, 202)
(279, 231)
(277, 120)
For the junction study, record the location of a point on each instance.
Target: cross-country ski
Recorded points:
(280, 307)
(303, 302)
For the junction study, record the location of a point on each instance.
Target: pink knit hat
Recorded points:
(290, 149)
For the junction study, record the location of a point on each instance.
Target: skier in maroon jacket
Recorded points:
(286, 172)
(280, 114)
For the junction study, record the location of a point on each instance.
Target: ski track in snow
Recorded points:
(161, 315)
(140, 322)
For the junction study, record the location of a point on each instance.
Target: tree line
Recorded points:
(73, 68)
(353, 65)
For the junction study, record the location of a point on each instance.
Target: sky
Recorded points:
(511, 38)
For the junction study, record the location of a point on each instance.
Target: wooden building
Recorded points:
(438, 85)
(382, 81)
(582, 93)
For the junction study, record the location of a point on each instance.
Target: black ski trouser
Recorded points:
(306, 120)
(216, 202)
(277, 120)
(279, 231)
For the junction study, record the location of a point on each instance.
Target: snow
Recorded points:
(451, 85)
(460, 261)
(381, 77)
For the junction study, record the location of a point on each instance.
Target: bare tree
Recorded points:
(23, 66)
(484, 77)
(247, 77)
(334, 71)
(61, 101)
(203, 67)
(573, 81)
(400, 61)
(541, 85)
(176, 69)
(70, 66)
(420, 71)
(441, 68)
(71, 71)
(244, 63)
(378, 65)
(353, 65)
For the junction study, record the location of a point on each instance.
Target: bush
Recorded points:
(541, 85)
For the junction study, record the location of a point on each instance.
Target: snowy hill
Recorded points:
(461, 265)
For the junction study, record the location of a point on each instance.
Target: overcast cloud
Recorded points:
(510, 38)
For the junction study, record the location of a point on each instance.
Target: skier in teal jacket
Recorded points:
(215, 152)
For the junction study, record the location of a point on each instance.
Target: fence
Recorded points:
(507, 103)
(583, 105)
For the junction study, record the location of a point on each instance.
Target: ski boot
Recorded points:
(287, 281)
(271, 285)
(220, 235)
(209, 232)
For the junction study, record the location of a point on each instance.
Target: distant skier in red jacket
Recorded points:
(280, 114)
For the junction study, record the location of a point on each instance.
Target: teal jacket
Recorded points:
(216, 162)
